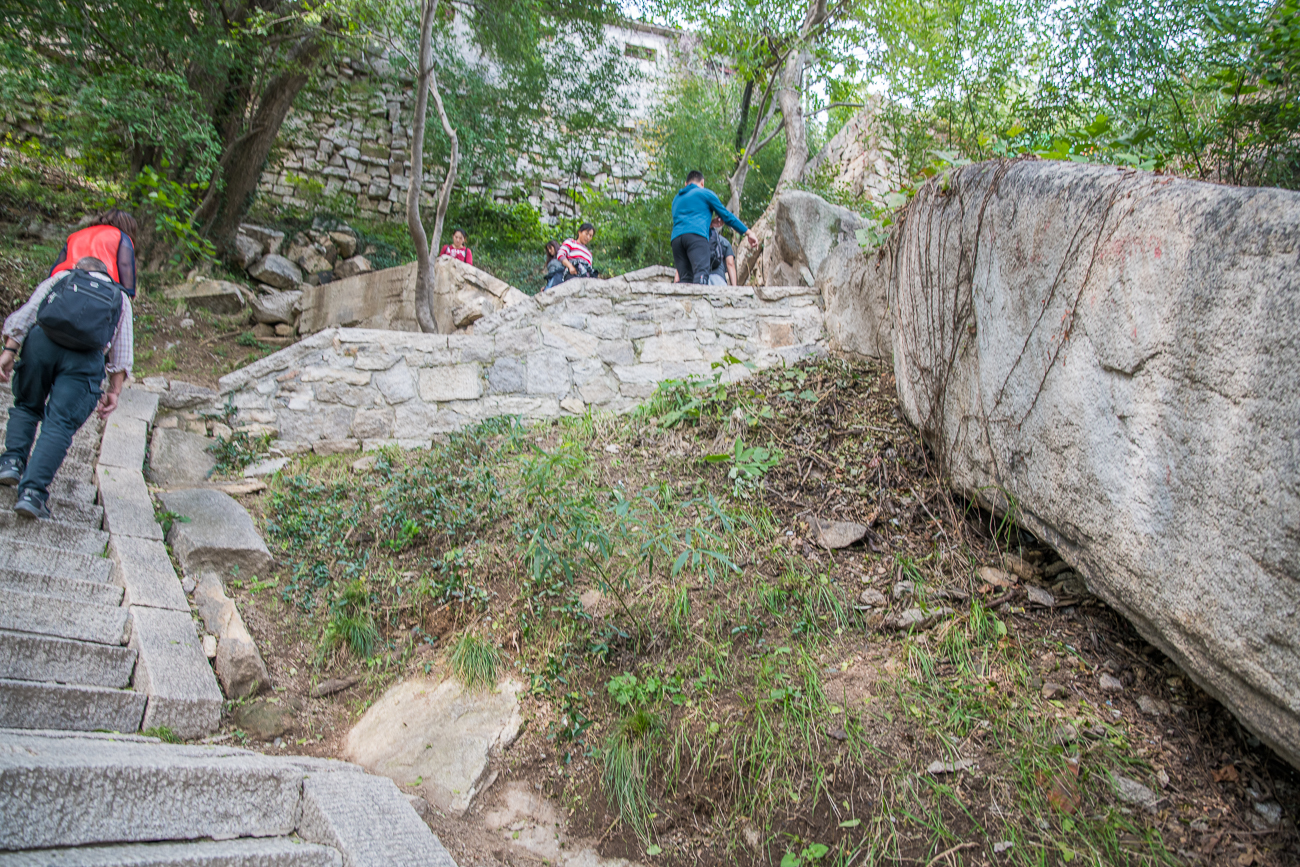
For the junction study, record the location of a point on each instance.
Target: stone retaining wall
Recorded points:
(588, 343)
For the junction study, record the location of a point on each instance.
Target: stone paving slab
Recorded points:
(64, 618)
(79, 791)
(128, 508)
(95, 592)
(143, 568)
(52, 534)
(24, 656)
(369, 821)
(28, 704)
(43, 560)
(220, 534)
(255, 852)
(124, 442)
(137, 403)
(173, 671)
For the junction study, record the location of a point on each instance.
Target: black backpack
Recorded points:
(81, 311)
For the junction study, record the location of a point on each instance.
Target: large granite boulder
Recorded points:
(273, 308)
(1117, 351)
(854, 285)
(463, 294)
(218, 296)
(805, 229)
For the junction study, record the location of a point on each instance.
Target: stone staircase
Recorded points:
(64, 659)
(96, 635)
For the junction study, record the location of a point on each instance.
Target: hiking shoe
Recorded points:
(11, 470)
(31, 505)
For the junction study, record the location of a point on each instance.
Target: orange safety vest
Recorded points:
(98, 241)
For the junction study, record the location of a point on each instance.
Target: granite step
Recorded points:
(36, 559)
(82, 513)
(64, 618)
(61, 587)
(52, 534)
(44, 658)
(26, 704)
(246, 852)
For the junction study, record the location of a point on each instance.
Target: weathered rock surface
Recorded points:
(436, 732)
(179, 394)
(352, 267)
(270, 239)
(376, 299)
(219, 296)
(1117, 350)
(805, 230)
(247, 250)
(179, 458)
(238, 663)
(276, 271)
(274, 307)
(837, 534)
(463, 294)
(267, 718)
(218, 535)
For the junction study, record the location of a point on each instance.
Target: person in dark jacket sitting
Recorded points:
(57, 388)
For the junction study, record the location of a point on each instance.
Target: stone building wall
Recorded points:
(349, 136)
(587, 343)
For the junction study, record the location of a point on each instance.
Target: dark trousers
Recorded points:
(58, 389)
(691, 258)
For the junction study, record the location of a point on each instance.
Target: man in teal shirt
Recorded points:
(693, 210)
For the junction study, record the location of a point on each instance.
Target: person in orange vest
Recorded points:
(111, 240)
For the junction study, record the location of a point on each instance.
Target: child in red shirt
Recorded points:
(457, 249)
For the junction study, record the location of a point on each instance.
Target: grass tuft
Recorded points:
(628, 753)
(474, 661)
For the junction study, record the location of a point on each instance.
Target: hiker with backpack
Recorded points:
(111, 240)
(76, 327)
(722, 256)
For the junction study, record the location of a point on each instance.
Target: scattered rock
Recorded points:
(1053, 690)
(219, 534)
(873, 598)
(185, 395)
(918, 618)
(433, 736)
(274, 308)
(1021, 568)
(238, 664)
(904, 589)
(241, 488)
(941, 767)
(1056, 568)
(832, 535)
(275, 271)
(351, 267)
(1039, 596)
(188, 584)
(995, 576)
(1003, 846)
(1130, 791)
(178, 458)
(333, 685)
(267, 718)
(1110, 683)
(218, 296)
(187, 323)
(210, 646)
(345, 243)
(270, 239)
(284, 330)
(364, 464)
(1152, 706)
(1270, 810)
(1064, 733)
(325, 448)
(247, 250)
(268, 467)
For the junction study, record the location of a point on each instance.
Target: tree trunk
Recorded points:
(748, 149)
(241, 165)
(427, 83)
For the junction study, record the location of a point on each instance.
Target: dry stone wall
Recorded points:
(587, 343)
(1113, 356)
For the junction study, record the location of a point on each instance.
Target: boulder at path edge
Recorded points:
(179, 458)
(219, 533)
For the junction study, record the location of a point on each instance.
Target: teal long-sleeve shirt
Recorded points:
(693, 210)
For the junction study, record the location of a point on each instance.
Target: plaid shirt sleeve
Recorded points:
(121, 350)
(21, 320)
